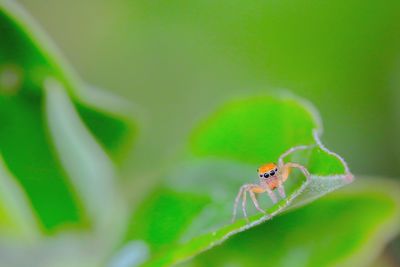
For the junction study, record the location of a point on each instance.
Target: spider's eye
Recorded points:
(266, 175)
(272, 172)
(276, 169)
(261, 175)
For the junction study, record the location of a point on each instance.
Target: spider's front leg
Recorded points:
(303, 169)
(235, 205)
(251, 189)
(253, 197)
(242, 194)
(284, 169)
(284, 174)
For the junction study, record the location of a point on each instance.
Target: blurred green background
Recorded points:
(179, 59)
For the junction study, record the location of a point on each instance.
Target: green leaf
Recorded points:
(88, 167)
(16, 217)
(224, 153)
(27, 60)
(347, 228)
(260, 129)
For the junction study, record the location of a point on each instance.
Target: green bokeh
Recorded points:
(25, 141)
(180, 59)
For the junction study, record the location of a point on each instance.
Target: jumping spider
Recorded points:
(271, 176)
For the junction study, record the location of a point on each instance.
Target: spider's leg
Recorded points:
(290, 151)
(301, 168)
(244, 204)
(282, 176)
(272, 196)
(281, 191)
(255, 202)
(235, 205)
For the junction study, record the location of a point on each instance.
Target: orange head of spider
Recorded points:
(267, 170)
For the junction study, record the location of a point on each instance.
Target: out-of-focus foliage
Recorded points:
(59, 142)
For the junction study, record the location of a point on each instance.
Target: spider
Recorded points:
(271, 176)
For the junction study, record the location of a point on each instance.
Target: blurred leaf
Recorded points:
(347, 228)
(27, 60)
(16, 217)
(84, 161)
(224, 150)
